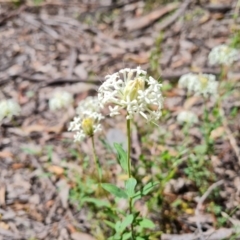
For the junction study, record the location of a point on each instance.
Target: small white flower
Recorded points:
(187, 117)
(132, 90)
(205, 84)
(223, 54)
(8, 109)
(87, 122)
(60, 100)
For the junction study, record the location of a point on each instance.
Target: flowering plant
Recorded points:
(60, 100)
(8, 109)
(132, 90)
(205, 84)
(223, 54)
(87, 123)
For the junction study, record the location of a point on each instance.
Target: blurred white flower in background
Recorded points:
(87, 122)
(223, 54)
(8, 109)
(187, 117)
(60, 100)
(134, 91)
(205, 84)
(188, 81)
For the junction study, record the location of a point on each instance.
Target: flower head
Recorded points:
(205, 84)
(132, 90)
(60, 100)
(187, 117)
(223, 54)
(87, 123)
(9, 108)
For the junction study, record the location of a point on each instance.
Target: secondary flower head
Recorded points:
(87, 122)
(8, 109)
(187, 117)
(60, 100)
(223, 54)
(132, 90)
(205, 84)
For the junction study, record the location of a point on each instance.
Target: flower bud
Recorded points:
(87, 126)
(132, 88)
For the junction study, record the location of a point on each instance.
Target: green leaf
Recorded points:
(97, 202)
(126, 236)
(130, 185)
(200, 149)
(140, 238)
(126, 222)
(149, 187)
(117, 226)
(116, 191)
(146, 223)
(122, 156)
(110, 224)
(146, 189)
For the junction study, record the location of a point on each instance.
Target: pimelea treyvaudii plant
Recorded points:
(132, 91)
(8, 109)
(87, 123)
(187, 117)
(60, 100)
(204, 84)
(223, 55)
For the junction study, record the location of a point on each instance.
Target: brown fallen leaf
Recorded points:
(34, 128)
(190, 102)
(144, 21)
(218, 132)
(55, 169)
(4, 225)
(81, 236)
(139, 59)
(2, 194)
(5, 154)
(17, 165)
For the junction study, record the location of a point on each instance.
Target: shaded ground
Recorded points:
(72, 45)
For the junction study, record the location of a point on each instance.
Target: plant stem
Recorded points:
(129, 168)
(129, 146)
(96, 161)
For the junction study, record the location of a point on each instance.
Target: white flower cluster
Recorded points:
(187, 117)
(132, 90)
(205, 84)
(60, 100)
(87, 123)
(223, 54)
(8, 109)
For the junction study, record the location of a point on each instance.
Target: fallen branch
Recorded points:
(200, 203)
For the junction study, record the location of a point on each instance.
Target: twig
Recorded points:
(200, 203)
(230, 136)
(173, 18)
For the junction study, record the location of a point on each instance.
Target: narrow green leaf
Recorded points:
(110, 224)
(116, 191)
(146, 189)
(146, 223)
(122, 156)
(130, 185)
(149, 187)
(126, 222)
(97, 202)
(140, 238)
